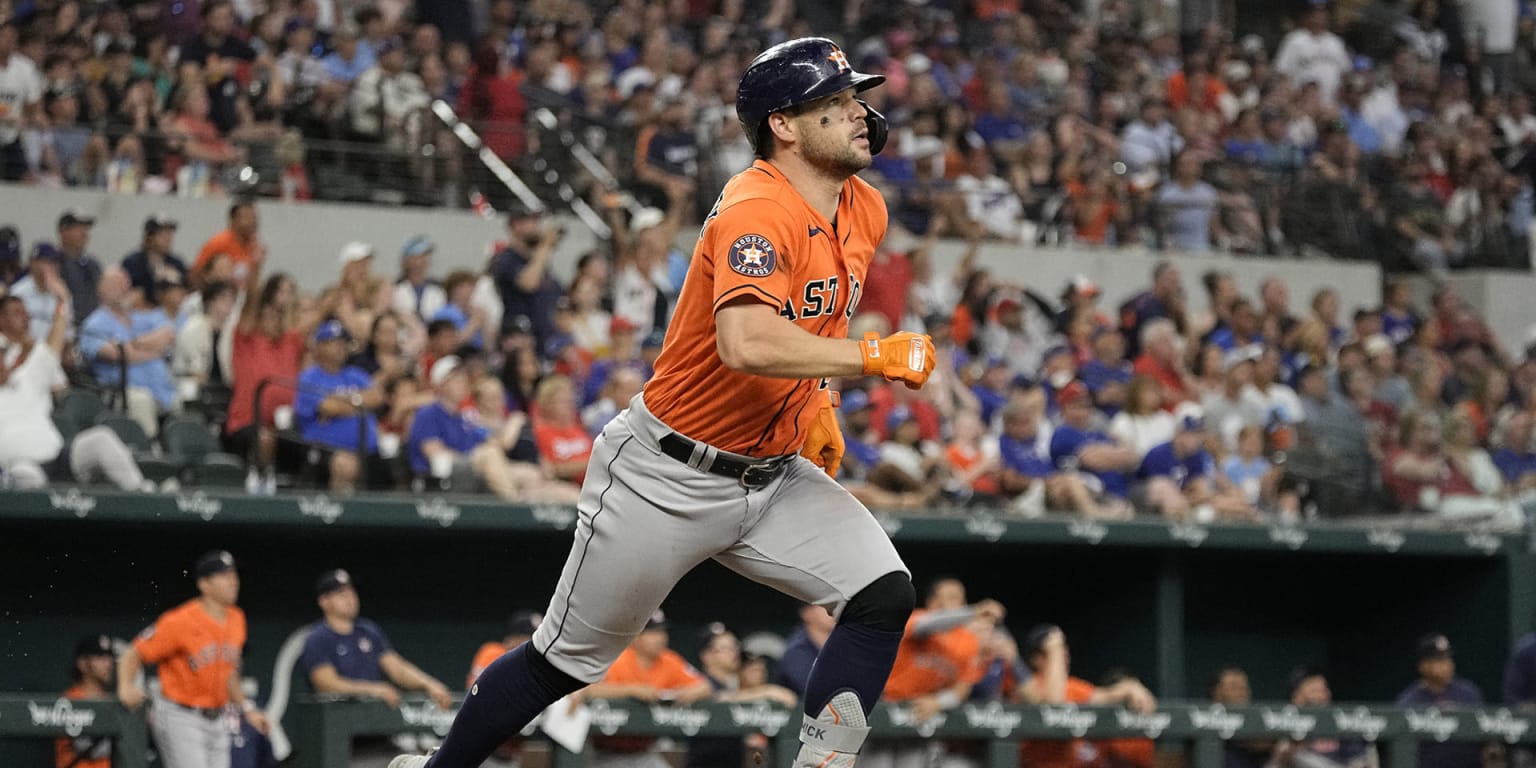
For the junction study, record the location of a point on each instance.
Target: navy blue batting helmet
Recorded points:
(797, 72)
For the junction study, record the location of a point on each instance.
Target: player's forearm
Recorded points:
(128, 668)
(755, 340)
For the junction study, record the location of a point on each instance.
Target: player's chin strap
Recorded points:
(834, 736)
(879, 127)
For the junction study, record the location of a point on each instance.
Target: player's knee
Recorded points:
(884, 604)
(550, 675)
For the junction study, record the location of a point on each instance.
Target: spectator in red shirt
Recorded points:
(886, 284)
(1417, 473)
(492, 102)
(1162, 360)
(557, 429)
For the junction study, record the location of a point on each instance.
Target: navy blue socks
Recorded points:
(510, 693)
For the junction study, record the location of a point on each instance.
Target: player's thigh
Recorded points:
(218, 744)
(178, 737)
(810, 538)
(644, 521)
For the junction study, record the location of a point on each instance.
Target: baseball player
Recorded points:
(197, 646)
(729, 452)
(92, 678)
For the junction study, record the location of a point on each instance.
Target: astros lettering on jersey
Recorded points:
(197, 653)
(762, 242)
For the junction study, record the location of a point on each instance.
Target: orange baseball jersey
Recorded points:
(196, 653)
(488, 653)
(928, 665)
(763, 242)
(670, 672)
(1084, 754)
(97, 752)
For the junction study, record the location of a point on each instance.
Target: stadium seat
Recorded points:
(220, 470)
(78, 408)
(128, 431)
(186, 440)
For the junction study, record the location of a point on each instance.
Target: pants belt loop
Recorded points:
(701, 458)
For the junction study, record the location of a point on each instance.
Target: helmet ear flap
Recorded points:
(879, 127)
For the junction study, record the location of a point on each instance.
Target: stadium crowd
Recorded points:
(1387, 131)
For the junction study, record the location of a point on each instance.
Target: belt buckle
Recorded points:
(759, 474)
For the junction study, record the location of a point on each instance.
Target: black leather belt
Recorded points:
(207, 713)
(751, 474)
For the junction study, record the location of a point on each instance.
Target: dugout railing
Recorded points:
(324, 728)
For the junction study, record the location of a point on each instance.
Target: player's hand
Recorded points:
(386, 693)
(924, 707)
(824, 441)
(131, 696)
(904, 356)
(258, 720)
(991, 611)
(440, 695)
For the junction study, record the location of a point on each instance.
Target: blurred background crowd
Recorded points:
(1394, 132)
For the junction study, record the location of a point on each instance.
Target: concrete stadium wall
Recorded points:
(304, 240)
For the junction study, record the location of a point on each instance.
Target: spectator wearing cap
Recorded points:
(335, 406)
(1027, 472)
(1309, 688)
(349, 655)
(908, 463)
(387, 100)
(416, 293)
(1100, 464)
(205, 343)
(468, 320)
(1019, 331)
(21, 95)
(1178, 479)
(1439, 687)
(91, 677)
(721, 660)
(644, 281)
(646, 671)
(154, 261)
(198, 647)
(1044, 650)
(1235, 406)
(522, 276)
(240, 240)
(1229, 688)
(358, 296)
(623, 354)
(116, 336)
(80, 270)
(449, 445)
(42, 291)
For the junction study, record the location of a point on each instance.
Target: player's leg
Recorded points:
(178, 735)
(645, 520)
(809, 538)
(216, 742)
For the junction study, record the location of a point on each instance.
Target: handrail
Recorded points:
(471, 141)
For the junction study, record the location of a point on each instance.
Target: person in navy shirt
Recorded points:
(330, 396)
(1439, 687)
(1241, 331)
(1178, 478)
(803, 644)
(1077, 448)
(521, 273)
(348, 655)
(1028, 472)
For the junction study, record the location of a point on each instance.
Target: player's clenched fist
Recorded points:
(824, 444)
(904, 356)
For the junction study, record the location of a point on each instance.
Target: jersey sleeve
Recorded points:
(160, 640)
(749, 245)
(680, 674)
(316, 652)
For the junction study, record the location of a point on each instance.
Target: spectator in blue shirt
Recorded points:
(1439, 687)
(349, 60)
(1078, 448)
(1515, 459)
(116, 335)
(330, 396)
(1178, 479)
(1241, 330)
(349, 655)
(1028, 474)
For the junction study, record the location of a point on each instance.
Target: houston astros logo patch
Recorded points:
(752, 255)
